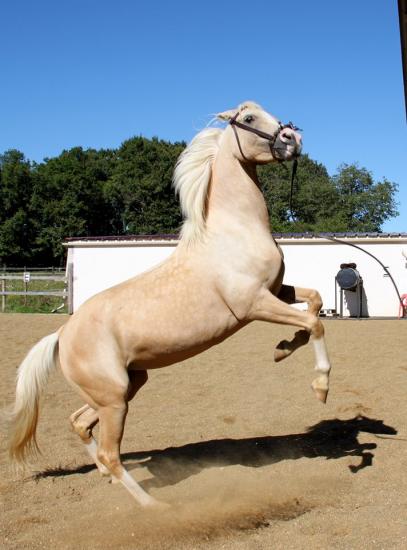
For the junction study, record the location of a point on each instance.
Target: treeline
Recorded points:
(129, 191)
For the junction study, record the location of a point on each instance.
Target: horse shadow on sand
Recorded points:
(332, 439)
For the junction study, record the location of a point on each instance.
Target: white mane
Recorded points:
(191, 179)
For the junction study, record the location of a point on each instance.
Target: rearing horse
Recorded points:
(226, 272)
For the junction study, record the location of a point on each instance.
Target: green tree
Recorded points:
(68, 200)
(363, 205)
(15, 245)
(140, 189)
(16, 229)
(129, 190)
(15, 183)
(314, 195)
(349, 201)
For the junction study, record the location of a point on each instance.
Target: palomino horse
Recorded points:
(226, 272)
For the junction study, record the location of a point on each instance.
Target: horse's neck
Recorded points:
(235, 200)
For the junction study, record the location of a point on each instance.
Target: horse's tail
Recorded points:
(32, 377)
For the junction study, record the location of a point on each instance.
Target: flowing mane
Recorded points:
(191, 179)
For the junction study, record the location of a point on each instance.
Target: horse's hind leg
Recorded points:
(297, 295)
(109, 397)
(85, 419)
(112, 418)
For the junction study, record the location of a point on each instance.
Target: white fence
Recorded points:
(27, 277)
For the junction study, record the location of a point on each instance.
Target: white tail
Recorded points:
(32, 377)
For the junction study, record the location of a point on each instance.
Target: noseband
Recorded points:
(271, 138)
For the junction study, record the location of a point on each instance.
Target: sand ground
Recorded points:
(238, 445)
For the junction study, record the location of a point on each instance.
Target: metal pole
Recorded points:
(25, 290)
(3, 298)
(336, 297)
(70, 287)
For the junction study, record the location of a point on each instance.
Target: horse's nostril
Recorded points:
(286, 136)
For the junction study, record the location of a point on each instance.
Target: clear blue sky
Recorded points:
(95, 72)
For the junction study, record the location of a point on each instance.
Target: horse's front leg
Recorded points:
(267, 307)
(297, 295)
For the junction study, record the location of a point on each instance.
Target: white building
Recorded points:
(311, 261)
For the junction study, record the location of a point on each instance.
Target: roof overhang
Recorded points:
(282, 238)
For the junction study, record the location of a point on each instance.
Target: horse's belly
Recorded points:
(163, 354)
(167, 331)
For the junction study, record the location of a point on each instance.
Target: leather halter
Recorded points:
(271, 138)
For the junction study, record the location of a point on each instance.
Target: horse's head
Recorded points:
(256, 136)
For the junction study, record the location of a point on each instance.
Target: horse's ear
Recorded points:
(227, 115)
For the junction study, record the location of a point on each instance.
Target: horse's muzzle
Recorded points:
(290, 137)
(288, 144)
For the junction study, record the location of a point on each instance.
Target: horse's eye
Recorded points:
(248, 119)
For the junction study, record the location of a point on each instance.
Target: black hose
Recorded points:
(335, 240)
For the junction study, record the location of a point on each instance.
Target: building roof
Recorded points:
(172, 239)
(157, 237)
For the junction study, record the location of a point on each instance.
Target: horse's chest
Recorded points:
(268, 265)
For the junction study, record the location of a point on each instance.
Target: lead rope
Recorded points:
(292, 189)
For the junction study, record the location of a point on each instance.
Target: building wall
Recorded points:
(101, 266)
(309, 263)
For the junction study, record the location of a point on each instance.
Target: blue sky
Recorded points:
(94, 73)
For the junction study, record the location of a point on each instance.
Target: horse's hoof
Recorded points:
(320, 394)
(113, 480)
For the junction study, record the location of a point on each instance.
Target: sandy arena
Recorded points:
(238, 445)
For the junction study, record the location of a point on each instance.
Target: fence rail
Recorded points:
(62, 293)
(26, 269)
(27, 277)
(33, 277)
